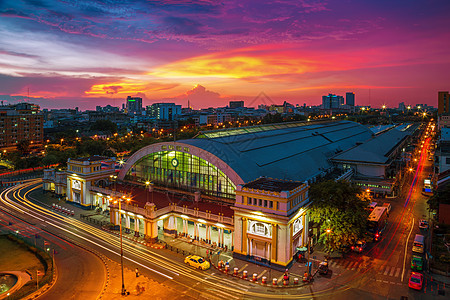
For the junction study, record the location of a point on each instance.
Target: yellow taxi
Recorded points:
(197, 262)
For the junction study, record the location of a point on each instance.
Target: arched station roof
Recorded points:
(298, 151)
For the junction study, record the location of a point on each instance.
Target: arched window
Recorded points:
(297, 225)
(260, 228)
(182, 171)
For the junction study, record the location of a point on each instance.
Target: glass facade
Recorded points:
(183, 171)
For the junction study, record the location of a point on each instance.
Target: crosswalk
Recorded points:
(363, 266)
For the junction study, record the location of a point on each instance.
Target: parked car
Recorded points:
(423, 224)
(359, 246)
(415, 281)
(416, 263)
(197, 262)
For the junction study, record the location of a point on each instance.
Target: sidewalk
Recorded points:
(185, 247)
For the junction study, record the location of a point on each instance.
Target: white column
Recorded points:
(117, 217)
(136, 224)
(127, 222)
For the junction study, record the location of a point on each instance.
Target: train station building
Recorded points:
(245, 188)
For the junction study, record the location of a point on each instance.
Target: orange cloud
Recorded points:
(129, 87)
(269, 60)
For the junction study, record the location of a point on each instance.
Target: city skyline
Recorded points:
(92, 53)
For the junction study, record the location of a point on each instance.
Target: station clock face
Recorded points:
(174, 162)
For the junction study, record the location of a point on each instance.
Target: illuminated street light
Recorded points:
(121, 244)
(328, 230)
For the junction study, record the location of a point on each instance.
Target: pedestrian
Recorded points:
(137, 272)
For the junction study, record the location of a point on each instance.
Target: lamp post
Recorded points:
(121, 245)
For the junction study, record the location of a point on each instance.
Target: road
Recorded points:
(76, 267)
(381, 272)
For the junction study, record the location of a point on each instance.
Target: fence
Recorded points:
(175, 249)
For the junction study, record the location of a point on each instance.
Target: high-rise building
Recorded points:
(350, 98)
(134, 105)
(21, 122)
(332, 101)
(443, 102)
(402, 106)
(236, 104)
(164, 111)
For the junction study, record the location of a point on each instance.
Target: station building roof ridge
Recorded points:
(91, 158)
(218, 133)
(290, 153)
(273, 185)
(376, 150)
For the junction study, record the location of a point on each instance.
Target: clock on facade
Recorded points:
(174, 162)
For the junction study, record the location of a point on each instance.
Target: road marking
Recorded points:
(398, 272)
(353, 265)
(333, 264)
(241, 269)
(392, 271)
(346, 265)
(262, 273)
(406, 248)
(386, 271)
(380, 270)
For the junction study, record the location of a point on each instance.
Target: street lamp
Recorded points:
(121, 245)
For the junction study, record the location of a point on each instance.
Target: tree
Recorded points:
(23, 147)
(104, 125)
(341, 210)
(441, 196)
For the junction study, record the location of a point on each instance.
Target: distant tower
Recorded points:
(350, 99)
(443, 102)
(134, 105)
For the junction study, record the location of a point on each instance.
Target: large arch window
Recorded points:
(183, 171)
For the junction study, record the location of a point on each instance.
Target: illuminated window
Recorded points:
(183, 171)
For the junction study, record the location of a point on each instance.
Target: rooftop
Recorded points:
(91, 158)
(377, 150)
(140, 196)
(289, 151)
(274, 185)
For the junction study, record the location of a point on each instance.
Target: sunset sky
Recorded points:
(85, 53)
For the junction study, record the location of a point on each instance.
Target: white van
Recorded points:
(388, 206)
(419, 244)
